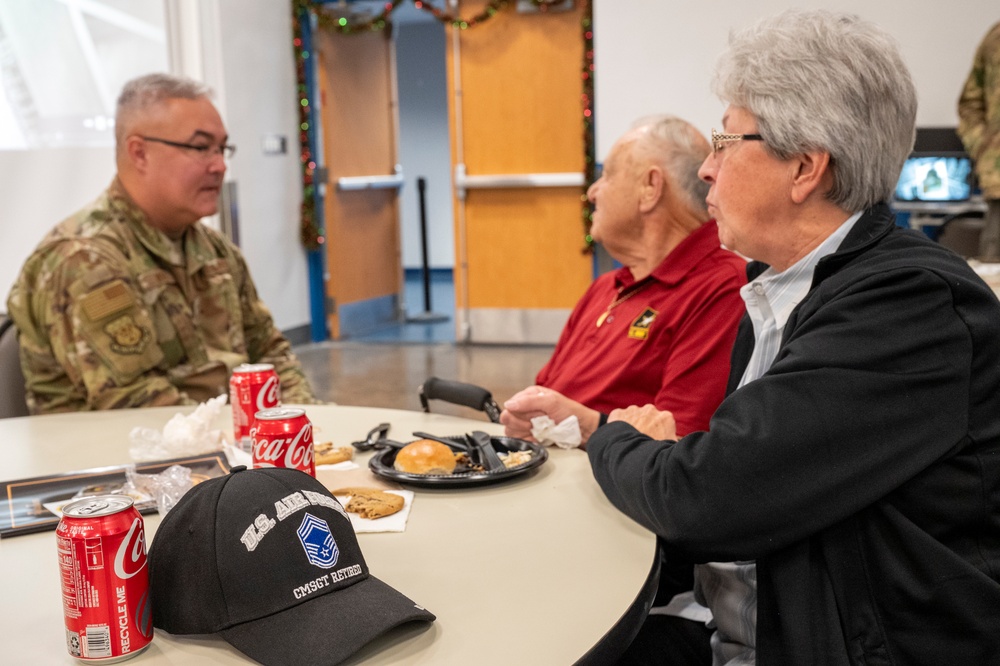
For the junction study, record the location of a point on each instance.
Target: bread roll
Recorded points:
(425, 456)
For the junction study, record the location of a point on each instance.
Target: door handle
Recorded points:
(464, 182)
(393, 182)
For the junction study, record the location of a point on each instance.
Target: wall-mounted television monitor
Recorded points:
(939, 177)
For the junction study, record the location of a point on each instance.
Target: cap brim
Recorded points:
(328, 629)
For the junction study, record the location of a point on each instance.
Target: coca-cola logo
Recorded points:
(295, 452)
(131, 556)
(268, 395)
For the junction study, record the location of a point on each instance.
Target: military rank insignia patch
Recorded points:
(127, 337)
(315, 536)
(639, 330)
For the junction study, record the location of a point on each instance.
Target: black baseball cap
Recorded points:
(267, 558)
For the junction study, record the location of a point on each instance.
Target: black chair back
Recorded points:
(12, 401)
(459, 393)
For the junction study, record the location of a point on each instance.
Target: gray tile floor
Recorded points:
(385, 368)
(442, 306)
(387, 374)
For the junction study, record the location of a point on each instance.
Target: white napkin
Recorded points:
(565, 434)
(237, 456)
(341, 466)
(394, 523)
(183, 435)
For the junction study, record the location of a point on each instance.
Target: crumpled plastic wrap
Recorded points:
(166, 488)
(565, 434)
(183, 435)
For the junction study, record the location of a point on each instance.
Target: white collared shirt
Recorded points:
(772, 296)
(729, 589)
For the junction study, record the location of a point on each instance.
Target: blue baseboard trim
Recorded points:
(363, 317)
(437, 274)
(317, 297)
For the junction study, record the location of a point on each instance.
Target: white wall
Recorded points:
(40, 188)
(59, 87)
(259, 85)
(658, 57)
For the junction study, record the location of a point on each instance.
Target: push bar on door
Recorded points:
(393, 182)
(465, 182)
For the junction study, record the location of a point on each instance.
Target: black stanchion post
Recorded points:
(426, 316)
(422, 196)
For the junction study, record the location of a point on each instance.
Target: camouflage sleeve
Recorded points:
(975, 101)
(972, 107)
(266, 344)
(95, 345)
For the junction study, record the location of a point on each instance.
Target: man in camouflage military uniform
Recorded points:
(131, 301)
(979, 128)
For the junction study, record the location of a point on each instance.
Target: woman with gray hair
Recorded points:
(833, 83)
(844, 504)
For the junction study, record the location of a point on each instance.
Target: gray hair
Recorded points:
(145, 92)
(682, 149)
(818, 80)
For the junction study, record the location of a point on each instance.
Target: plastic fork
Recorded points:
(488, 457)
(451, 443)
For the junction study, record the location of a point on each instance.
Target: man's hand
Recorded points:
(540, 401)
(648, 420)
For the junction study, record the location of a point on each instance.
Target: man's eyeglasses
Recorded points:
(719, 139)
(204, 152)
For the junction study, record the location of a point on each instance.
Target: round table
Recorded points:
(540, 569)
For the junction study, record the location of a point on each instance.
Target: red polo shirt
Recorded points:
(667, 344)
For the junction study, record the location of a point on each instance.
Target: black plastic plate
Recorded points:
(381, 465)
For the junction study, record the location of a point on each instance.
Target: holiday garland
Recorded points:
(312, 232)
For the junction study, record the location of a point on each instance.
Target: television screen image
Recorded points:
(935, 178)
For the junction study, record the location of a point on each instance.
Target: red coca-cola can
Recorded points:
(282, 437)
(101, 543)
(253, 387)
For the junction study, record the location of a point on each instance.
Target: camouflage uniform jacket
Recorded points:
(979, 113)
(112, 313)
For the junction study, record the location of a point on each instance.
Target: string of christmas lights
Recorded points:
(311, 228)
(587, 102)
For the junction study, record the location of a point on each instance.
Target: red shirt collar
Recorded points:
(703, 241)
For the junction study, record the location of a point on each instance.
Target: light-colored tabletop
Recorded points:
(990, 272)
(533, 570)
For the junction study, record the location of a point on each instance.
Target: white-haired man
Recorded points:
(659, 330)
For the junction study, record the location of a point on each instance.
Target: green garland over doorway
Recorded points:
(312, 233)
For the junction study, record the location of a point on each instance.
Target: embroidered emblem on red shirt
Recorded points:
(639, 330)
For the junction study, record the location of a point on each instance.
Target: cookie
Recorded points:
(328, 454)
(373, 504)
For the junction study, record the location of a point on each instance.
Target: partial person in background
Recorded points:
(131, 302)
(843, 507)
(979, 129)
(660, 329)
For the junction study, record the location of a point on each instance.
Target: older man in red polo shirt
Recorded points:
(660, 329)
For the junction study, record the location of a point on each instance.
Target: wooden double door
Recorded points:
(515, 116)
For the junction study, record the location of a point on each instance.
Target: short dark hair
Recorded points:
(149, 90)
